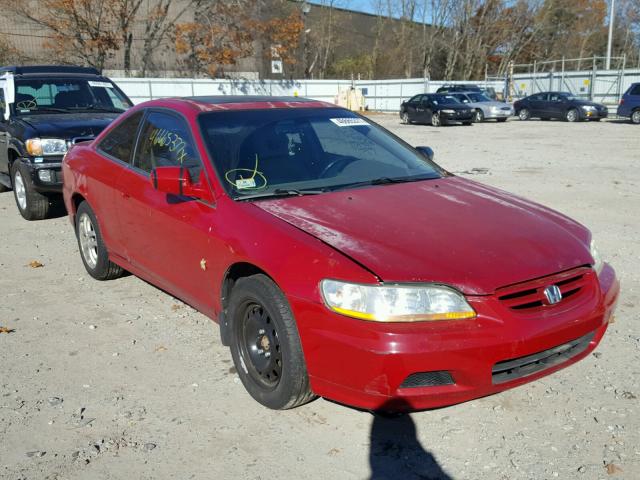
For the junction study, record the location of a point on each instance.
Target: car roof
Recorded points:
(236, 102)
(49, 70)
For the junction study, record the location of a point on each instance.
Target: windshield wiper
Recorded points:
(383, 181)
(47, 109)
(281, 192)
(97, 108)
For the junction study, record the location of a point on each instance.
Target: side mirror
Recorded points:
(177, 181)
(426, 152)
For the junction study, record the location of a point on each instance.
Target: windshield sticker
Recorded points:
(100, 84)
(249, 183)
(349, 122)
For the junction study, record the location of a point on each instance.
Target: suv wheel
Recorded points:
(265, 344)
(31, 204)
(635, 117)
(92, 249)
(524, 114)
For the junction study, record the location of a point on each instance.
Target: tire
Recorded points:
(404, 118)
(31, 204)
(524, 114)
(435, 120)
(92, 248)
(502, 120)
(572, 115)
(478, 116)
(260, 319)
(635, 117)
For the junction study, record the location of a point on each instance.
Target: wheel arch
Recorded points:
(234, 273)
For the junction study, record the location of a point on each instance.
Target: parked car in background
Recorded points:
(561, 105)
(469, 87)
(338, 260)
(630, 104)
(44, 110)
(484, 108)
(435, 109)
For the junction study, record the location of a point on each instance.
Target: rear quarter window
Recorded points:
(635, 90)
(119, 143)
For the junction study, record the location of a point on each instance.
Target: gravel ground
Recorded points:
(120, 380)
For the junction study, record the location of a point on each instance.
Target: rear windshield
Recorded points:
(262, 151)
(62, 95)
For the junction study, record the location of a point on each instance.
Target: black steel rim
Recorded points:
(259, 345)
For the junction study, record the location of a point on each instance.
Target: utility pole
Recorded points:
(611, 15)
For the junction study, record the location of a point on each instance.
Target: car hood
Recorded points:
(451, 231)
(69, 125)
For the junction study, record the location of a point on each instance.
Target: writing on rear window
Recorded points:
(348, 122)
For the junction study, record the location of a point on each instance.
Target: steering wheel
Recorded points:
(336, 166)
(27, 105)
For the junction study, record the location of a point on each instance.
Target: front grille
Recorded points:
(428, 379)
(530, 295)
(508, 370)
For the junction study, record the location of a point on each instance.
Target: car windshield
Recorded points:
(63, 95)
(262, 153)
(444, 99)
(478, 97)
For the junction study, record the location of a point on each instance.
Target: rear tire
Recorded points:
(524, 114)
(404, 118)
(93, 251)
(635, 117)
(435, 120)
(265, 344)
(32, 205)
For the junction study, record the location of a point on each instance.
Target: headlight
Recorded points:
(448, 111)
(598, 263)
(395, 303)
(588, 108)
(39, 147)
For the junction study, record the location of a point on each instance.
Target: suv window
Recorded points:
(416, 98)
(165, 142)
(635, 90)
(120, 141)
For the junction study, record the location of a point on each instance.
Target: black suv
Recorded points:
(46, 109)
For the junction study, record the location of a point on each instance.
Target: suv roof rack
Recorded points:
(26, 69)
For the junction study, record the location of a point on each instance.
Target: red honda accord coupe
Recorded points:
(338, 260)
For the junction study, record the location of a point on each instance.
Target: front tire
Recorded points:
(92, 248)
(265, 344)
(635, 117)
(524, 114)
(572, 115)
(479, 116)
(31, 204)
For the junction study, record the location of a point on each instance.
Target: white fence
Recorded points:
(382, 95)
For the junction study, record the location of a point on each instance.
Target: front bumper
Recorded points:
(372, 366)
(49, 182)
(594, 114)
(448, 118)
(494, 114)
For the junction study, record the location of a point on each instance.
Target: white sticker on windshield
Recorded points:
(245, 183)
(100, 84)
(349, 122)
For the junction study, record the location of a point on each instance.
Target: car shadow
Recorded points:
(56, 208)
(395, 452)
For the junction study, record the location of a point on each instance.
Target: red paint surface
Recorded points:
(451, 231)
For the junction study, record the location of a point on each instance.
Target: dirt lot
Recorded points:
(119, 380)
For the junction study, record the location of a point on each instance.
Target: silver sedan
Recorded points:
(484, 107)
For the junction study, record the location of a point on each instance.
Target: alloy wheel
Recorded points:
(635, 117)
(88, 240)
(405, 118)
(572, 115)
(20, 190)
(435, 120)
(523, 114)
(479, 117)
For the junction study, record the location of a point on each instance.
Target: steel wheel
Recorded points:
(572, 115)
(259, 346)
(435, 120)
(635, 117)
(20, 190)
(88, 240)
(524, 114)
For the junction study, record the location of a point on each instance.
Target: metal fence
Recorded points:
(385, 95)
